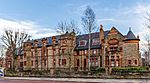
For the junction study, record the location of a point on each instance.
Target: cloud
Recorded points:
(107, 19)
(30, 27)
(36, 31)
(78, 9)
(140, 13)
(136, 18)
(126, 16)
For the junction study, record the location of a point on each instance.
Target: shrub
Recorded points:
(11, 73)
(126, 70)
(100, 70)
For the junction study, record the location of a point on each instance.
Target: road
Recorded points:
(31, 81)
(68, 80)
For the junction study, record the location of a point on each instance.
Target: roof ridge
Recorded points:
(92, 33)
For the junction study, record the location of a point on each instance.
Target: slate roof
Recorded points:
(130, 36)
(18, 51)
(49, 39)
(78, 38)
(86, 37)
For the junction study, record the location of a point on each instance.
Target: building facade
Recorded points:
(108, 49)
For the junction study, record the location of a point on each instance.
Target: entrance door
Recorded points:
(21, 65)
(78, 63)
(84, 64)
(100, 61)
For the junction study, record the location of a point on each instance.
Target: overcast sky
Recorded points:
(39, 18)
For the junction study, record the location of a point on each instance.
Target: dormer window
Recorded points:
(95, 41)
(82, 43)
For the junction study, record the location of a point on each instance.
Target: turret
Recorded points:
(131, 37)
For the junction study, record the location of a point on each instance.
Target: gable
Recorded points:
(114, 33)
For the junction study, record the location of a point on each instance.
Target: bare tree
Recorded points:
(2, 50)
(12, 41)
(88, 22)
(146, 42)
(71, 47)
(147, 23)
(64, 27)
(146, 50)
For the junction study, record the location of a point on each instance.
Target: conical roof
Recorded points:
(130, 35)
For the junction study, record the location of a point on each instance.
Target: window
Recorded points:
(31, 54)
(94, 61)
(94, 51)
(85, 51)
(129, 62)
(63, 50)
(45, 62)
(117, 63)
(21, 64)
(95, 41)
(78, 63)
(113, 63)
(77, 52)
(54, 62)
(135, 62)
(82, 43)
(107, 60)
(24, 55)
(112, 57)
(21, 57)
(100, 61)
(63, 62)
(98, 51)
(25, 63)
(113, 48)
(32, 63)
(59, 62)
(117, 57)
(82, 51)
(120, 48)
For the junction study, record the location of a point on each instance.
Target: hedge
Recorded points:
(129, 70)
(100, 70)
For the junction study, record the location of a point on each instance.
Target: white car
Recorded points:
(1, 71)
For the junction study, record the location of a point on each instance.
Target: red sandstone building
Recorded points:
(108, 49)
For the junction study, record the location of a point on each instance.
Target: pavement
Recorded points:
(85, 80)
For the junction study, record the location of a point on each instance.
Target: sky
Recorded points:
(40, 18)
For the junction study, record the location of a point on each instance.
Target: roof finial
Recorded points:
(101, 26)
(129, 28)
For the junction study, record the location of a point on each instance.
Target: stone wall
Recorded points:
(131, 52)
